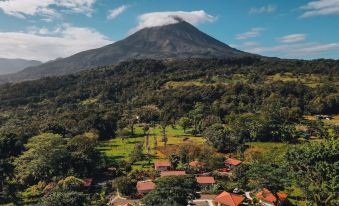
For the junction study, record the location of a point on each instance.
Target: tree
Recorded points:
(196, 116)
(221, 138)
(41, 161)
(185, 123)
(173, 190)
(174, 159)
(125, 185)
(315, 166)
(85, 159)
(137, 153)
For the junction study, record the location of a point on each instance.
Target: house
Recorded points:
(172, 173)
(144, 187)
(197, 164)
(266, 197)
(162, 165)
(205, 182)
(128, 204)
(231, 163)
(228, 199)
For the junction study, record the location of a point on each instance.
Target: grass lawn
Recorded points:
(270, 151)
(119, 149)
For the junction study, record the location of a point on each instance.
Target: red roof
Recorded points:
(145, 186)
(232, 161)
(229, 199)
(205, 180)
(88, 182)
(266, 196)
(282, 196)
(172, 173)
(127, 204)
(162, 164)
(197, 164)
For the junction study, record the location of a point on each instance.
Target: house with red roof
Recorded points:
(88, 182)
(228, 199)
(128, 204)
(267, 198)
(232, 163)
(172, 173)
(162, 165)
(197, 164)
(144, 187)
(205, 182)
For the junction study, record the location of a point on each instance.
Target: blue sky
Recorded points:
(49, 29)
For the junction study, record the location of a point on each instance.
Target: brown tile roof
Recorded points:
(205, 180)
(145, 185)
(266, 196)
(162, 163)
(229, 199)
(172, 173)
(197, 164)
(232, 161)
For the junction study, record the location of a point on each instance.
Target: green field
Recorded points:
(119, 149)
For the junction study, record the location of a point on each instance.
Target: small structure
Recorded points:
(88, 182)
(144, 187)
(266, 197)
(323, 116)
(128, 204)
(197, 164)
(205, 180)
(162, 165)
(172, 173)
(231, 163)
(228, 199)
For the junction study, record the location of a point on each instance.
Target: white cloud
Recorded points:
(112, 14)
(295, 50)
(321, 8)
(263, 9)
(250, 34)
(172, 17)
(43, 44)
(45, 8)
(292, 38)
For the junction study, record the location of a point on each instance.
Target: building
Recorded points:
(266, 197)
(172, 173)
(197, 164)
(128, 204)
(162, 165)
(205, 182)
(88, 182)
(231, 163)
(228, 199)
(144, 187)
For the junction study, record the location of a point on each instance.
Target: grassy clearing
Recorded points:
(311, 80)
(334, 120)
(270, 151)
(119, 149)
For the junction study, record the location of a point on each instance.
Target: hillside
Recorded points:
(174, 41)
(8, 66)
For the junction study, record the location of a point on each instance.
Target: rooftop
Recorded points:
(145, 185)
(172, 173)
(229, 199)
(266, 196)
(205, 180)
(163, 163)
(232, 161)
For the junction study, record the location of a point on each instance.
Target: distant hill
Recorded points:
(174, 41)
(8, 66)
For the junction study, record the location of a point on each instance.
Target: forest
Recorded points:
(229, 103)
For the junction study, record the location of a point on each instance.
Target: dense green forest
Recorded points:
(228, 102)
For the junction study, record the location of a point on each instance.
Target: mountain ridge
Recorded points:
(8, 66)
(174, 41)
